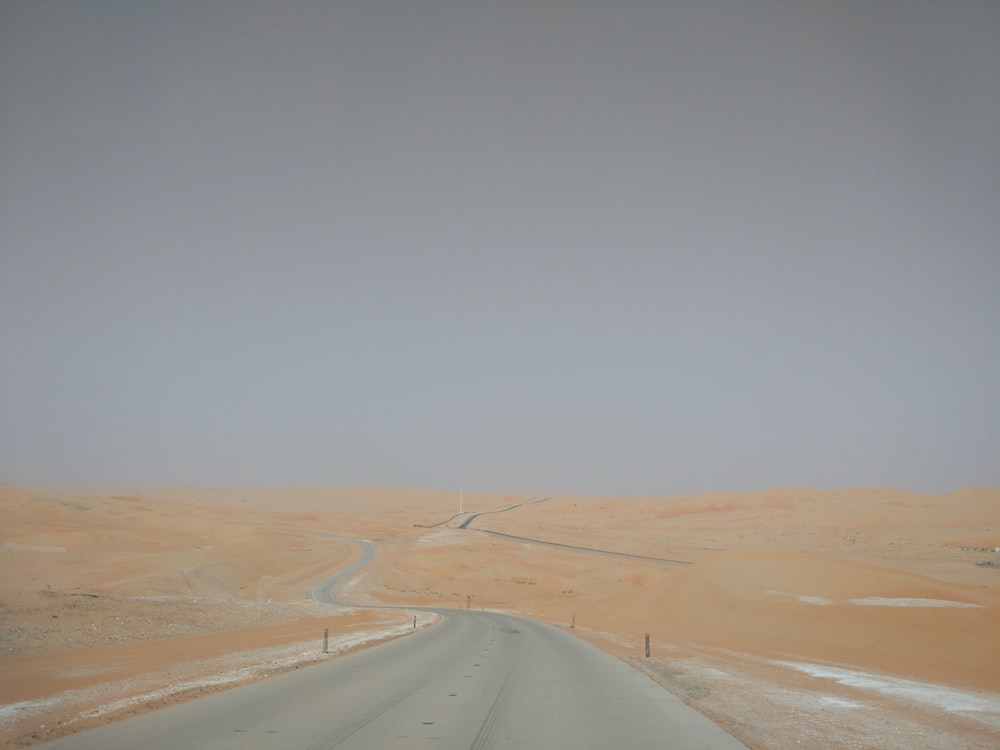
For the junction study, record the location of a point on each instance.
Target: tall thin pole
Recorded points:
(460, 499)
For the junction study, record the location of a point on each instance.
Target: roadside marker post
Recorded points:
(647, 645)
(326, 640)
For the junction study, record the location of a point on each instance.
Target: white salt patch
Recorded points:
(876, 601)
(15, 711)
(716, 673)
(822, 601)
(818, 600)
(883, 601)
(946, 699)
(840, 702)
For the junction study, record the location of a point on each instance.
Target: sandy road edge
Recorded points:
(34, 722)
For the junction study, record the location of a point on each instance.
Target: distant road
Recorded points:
(477, 680)
(467, 524)
(472, 517)
(585, 549)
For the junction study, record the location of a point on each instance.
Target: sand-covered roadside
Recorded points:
(854, 618)
(134, 603)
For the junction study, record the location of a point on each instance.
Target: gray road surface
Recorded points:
(477, 680)
(324, 590)
(467, 524)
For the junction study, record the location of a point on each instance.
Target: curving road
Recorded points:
(475, 681)
(323, 591)
(473, 516)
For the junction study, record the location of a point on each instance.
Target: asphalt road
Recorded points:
(596, 550)
(477, 680)
(324, 590)
(467, 524)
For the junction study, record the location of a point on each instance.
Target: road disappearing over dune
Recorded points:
(476, 680)
(466, 524)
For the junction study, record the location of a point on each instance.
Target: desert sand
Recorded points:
(859, 617)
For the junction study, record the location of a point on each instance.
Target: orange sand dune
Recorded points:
(826, 610)
(896, 582)
(860, 576)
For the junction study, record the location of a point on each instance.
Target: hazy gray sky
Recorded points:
(619, 247)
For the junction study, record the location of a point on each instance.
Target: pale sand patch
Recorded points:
(444, 537)
(875, 601)
(902, 601)
(821, 601)
(776, 707)
(983, 706)
(830, 700)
